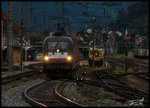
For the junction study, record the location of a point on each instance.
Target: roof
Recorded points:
(16, 28)
(127, 37)
(32, 48)
(131, 31)
(58, 38)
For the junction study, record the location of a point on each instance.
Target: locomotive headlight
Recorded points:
(46, 58)
(57, 50)
(69, 58)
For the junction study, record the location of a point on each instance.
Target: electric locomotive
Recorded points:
(61, 56)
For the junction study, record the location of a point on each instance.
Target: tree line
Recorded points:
(135, 16)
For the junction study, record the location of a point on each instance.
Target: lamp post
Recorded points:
(93, 21)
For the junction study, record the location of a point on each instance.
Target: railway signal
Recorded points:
(105, 37)
(93, 21)
(89, 30)
(114, 45)
(133, 39)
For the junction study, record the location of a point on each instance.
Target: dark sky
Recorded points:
(74, 11)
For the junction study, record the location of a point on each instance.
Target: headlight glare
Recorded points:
(46, 58)
(69, 58)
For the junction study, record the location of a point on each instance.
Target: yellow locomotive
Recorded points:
(98, 56)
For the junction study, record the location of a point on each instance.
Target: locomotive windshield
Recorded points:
(98, 52)
(60, 45)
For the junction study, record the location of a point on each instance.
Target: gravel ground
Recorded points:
(91, 96)
(13, 96)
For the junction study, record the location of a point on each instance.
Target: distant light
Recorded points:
(89, 30)
(93, 19)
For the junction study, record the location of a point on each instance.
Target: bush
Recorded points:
(14, 84)
(119, 71)
(121, 55)
(130, 70)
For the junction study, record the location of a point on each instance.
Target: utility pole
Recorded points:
(21, 38)
(44, 26)
(49, 23)
(30, 22)
(16, 13)
(63, 17)
(7, 34)
(2, 40)
(58, 27)
(68, 25)
(31, 26)
(10, 36)
(93, 21)
(25, 28)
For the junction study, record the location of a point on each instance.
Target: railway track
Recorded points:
(144, 61)
(115, 61)
(143, 75)
(9, 78)
(121, 87)
(139, 65)
(32, 70)
(48, 94)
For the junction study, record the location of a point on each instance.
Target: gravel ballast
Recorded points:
(13, 96)
(91, 96)
(85, 94)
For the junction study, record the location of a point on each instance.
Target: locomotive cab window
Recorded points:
(100, 52)
(60, 45)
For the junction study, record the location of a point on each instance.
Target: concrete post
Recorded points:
(21, 38)
(10, 36)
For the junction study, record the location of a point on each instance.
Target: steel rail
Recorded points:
(138, 62)
(58, 95)
(16, 76)
(67, 101)
(30, 100)
(123, 92)
(64, 99)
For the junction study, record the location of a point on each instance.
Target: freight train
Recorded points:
(60, 56)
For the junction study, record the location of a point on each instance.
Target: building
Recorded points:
(16, 40)
(129, 33)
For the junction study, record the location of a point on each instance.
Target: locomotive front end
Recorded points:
(58, 58)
